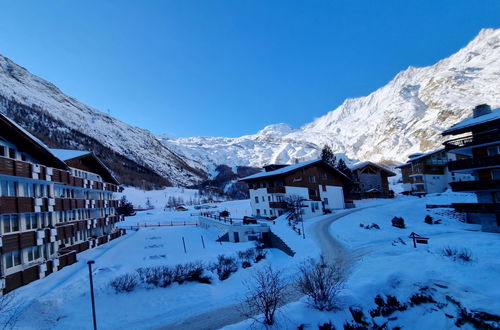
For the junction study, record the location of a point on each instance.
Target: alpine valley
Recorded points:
(405, 116)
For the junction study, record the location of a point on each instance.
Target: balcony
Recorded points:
(474, 140)
(277, 205)
(275, 190)
(474, 163)
(477, 207)
(477, 185)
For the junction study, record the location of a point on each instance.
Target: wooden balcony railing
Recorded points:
(473, 163)
(476, 185)
(277, 205)
(275, 190)
(473, 140)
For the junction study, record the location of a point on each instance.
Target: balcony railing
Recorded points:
(476, 185)
(477, 207)
(275, 190)
(472, 163)
(476, 139)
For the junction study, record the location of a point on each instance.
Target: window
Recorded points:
(256, 200)
(495, 174)
(263, 199)
(265, 211)
(12, 153)
(10, 223)
(324, 176)
(31, 221)
(495, 150)
(312, 192)
(258, 212)
(268, 198)
(312, 179)
(23, 157)
(325, 200)
(12, 259)
(9, 188)
(2, 151)
(497, 197)
(33, 253)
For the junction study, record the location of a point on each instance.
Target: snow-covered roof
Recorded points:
(363, 164)
(426, 154)
(471, 121)
(282, 170)
(66, 154)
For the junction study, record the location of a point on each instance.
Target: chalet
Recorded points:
(482, 145)
(427, 173)
(371, 180)
(319, 184)
(53, 204)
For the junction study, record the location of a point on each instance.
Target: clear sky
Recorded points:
(228, 68)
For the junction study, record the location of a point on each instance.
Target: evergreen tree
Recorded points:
(328, 156)
(342, 168)
(126, 208)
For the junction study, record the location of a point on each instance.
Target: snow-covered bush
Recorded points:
(398, 222)
(125, 283)
(246, 257)
(428, 220)
(456, 254)
(260, 252)
(321, 281)
(159, 276)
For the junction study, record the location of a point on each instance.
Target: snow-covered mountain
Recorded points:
(134, 154)
(402, 117)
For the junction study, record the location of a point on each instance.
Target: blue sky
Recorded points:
(228, 68)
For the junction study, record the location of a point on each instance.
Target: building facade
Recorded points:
(482, 145)
(50, 208)
(371, 180)
(317, 183)
(428, 173)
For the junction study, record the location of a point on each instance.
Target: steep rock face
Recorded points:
(134, 154)
(402, 117)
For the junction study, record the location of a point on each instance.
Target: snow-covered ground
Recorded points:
(385, 265)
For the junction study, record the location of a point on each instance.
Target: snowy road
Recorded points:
(223, 316)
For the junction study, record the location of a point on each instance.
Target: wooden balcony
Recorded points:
(275, 190)
(477, 207)
(476, 185)
(66, 259)
(474, 163)
(473, 140)
(17, 205)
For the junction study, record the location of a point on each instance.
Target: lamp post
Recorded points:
(90, 263)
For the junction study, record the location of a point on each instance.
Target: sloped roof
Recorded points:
(34, 146)
(471, 121)
(427, 154)
(288, 169)
(66, 154)
(366, 163)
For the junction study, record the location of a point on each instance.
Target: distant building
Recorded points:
(482, 143)
(427, 173)
(53, 204)
(318, 183)
(370, 180)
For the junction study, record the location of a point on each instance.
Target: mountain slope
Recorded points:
(402, 117)
(136, 155)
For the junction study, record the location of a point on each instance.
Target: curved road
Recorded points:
(332, 249)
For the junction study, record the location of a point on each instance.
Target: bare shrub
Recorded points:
(456, 254)
(125, 283)
(260, 252)
(159, 276)
(9, 311)
(224, 266)
(195, 273)
(265, 295)
(246, 257)
(321, 281)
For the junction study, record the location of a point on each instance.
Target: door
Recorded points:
(236, 237)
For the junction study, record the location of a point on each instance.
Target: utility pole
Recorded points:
(90, 263)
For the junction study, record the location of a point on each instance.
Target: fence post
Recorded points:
(184, 243)
(202, 241)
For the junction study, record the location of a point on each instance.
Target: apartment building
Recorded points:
(53, 205)
(481, 144)
(319, 185)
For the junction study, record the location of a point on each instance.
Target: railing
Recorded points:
(476, 185)
(277, 205)
(472, 163)
(486, 137)
(275, 190)
(477, 207)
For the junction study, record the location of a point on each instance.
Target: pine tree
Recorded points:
(328, 156)
(344, 169)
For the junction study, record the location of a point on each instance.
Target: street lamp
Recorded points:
(90, 263)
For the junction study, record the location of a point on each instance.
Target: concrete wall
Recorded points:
(335, 197)
(236, 231)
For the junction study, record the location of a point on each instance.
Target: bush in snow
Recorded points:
(260, 253)
(124, 283)
(428, 219)
(246, 257)
(159, 276)
(191, 272)
(264, 296)
(224, 266)
(326, 326)
(372, 226)
(455, 254)
(321, 282)
(386, 308)
(398, 222)
(9, 311)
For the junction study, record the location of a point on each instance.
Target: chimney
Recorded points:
(481, 110)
